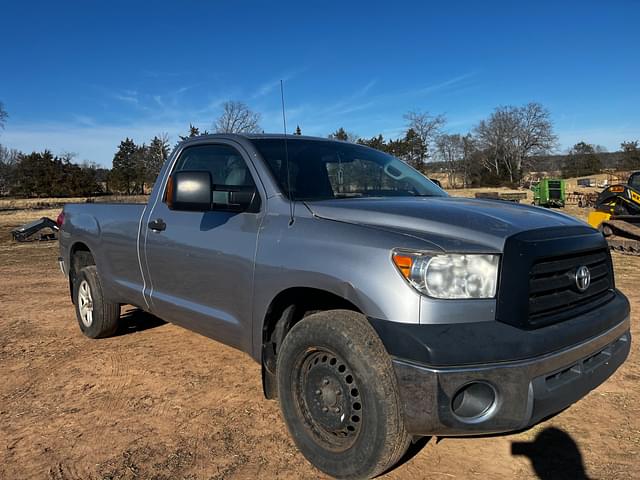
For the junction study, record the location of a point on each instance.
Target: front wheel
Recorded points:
(339, 395)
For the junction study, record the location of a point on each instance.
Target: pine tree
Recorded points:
(339, 134)
(378, 143)
(415, 149)
(155, 156)
(125, 174)
(193, 132)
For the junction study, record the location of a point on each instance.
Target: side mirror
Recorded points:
(189, 190)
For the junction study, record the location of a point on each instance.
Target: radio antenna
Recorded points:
(286, 158)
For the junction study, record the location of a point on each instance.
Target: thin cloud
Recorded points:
(444, 85)
(347, 105)
(267, 87)
(361, 100)
(125, 98)
(84, 120)
(367, 87)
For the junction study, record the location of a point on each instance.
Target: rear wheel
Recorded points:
(96, 317)
(339, 396)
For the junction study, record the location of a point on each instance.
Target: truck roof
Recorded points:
(251, 136)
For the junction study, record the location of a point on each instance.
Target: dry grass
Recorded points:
(49, 203)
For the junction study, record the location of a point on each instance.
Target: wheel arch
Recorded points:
(286, 309)
(80, 256)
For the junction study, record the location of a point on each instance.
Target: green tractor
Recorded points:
(549, 192)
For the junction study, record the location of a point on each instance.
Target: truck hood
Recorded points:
(450, 223)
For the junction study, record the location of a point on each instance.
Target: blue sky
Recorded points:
(79, 76)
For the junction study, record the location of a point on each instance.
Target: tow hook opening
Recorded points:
(474, 402)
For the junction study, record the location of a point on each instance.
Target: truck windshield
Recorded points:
(322, 170)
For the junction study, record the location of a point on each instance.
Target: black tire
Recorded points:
(620, 209)
(103, 319)
(358, 432)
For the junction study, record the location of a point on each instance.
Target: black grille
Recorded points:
(537, 270)
(553, 293)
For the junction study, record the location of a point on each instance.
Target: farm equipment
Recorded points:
(508, 196)
(617, 215)
(549, 192)
(36, 230)
(582, 199)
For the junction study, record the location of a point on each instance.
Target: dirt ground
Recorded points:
(160, 402)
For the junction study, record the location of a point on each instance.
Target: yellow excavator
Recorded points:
(617, 215)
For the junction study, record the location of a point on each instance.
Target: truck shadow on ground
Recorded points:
(554, 455)
(137, 320)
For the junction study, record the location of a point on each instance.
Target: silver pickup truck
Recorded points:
(380, 308)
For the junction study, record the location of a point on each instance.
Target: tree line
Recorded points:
(499, 150)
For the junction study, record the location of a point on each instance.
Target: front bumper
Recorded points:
(526, 391)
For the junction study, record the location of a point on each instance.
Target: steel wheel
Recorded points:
(328, 398)
(339, 396)
(85, 303)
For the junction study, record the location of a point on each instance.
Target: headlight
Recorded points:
(450, 275)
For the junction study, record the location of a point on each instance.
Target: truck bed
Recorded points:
(110, 231)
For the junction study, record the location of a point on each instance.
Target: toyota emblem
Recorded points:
(583, 278)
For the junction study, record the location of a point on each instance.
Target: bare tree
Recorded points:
(494, 136)
(450, 150)
(237, 118)
(427, 127)
(512, 135)
(8, 160)
(470, 157)
(3, 115)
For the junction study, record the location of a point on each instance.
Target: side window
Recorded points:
(226, 165)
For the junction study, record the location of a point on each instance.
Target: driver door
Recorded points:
(200, 264)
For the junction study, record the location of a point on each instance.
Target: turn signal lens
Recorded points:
(168, 195)
(404, 263)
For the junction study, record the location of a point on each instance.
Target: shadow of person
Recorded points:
(553, 454)
(137, 320)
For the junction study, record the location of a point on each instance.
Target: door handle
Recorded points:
(157, 225)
